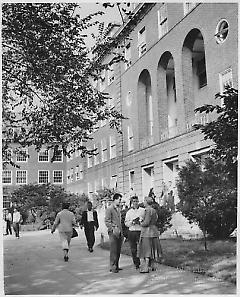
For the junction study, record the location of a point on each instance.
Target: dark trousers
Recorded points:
(133, 239)
(8, 227)
(115, 250)
(89, 233)
(16, 227)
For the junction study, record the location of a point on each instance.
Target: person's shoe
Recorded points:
(90, 250)
(137, 267)
(119, 269)
(114, 270)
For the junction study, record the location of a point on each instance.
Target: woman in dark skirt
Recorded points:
(150, 250)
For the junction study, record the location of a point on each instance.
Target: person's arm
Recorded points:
(147, 218)
(108, 220)
(95, 216)
(55, 224)
(128, 221)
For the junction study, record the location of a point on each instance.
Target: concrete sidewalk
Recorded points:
(34, 264)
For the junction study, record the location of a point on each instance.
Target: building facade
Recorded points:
(179, 55)
(32, 167)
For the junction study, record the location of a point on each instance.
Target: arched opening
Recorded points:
(194, 70)
(167, 96)
(145, 107)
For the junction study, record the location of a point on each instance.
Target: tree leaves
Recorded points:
(46, 77)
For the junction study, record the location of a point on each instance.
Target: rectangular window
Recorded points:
(7, 177)
(43, 156)
(90, 161)
(71, 175)
(68, 176)
(7, 155)
(80, 171)
(104, 183)
(130, 139)
(22, 155)
(57, 176)
(96, 186)
(225, 79)
(162, 21)
(96, 157)
(90, 190)
(113, 148)
(111, 76)
(59, 156)
(43, 176)
(201, 72)
(77, 172)
(188, 6)
(113, 182)
(104, 150)
(142, 47)
(21, 176)
(127, 56)
(131, 180)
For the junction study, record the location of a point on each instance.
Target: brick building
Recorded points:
(34, 167)
(179, 56)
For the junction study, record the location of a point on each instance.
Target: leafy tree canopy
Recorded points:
(224, 130)
(47, 77)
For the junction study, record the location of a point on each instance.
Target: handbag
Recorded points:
(74, 233)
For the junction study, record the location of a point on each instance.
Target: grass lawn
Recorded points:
(219, 261)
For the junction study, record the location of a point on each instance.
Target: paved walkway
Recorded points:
(33, 264)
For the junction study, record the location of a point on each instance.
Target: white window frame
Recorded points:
(142, 46)
(21, 177)
(77, 172)
(8, 155)
(90, 190)
(96, 186)
(40, 154)
(68, 176)
(131, 184)
(188, 7)
(113, 146)
(130, 138)
(113, 181)
(162, 21)
(222, 81)
(20, 158)
(71, 174)
(7, 177)
(104, 149)
(89, 161)
(218, 32)
(127, 55)
(41, 183)
(61, 182)
(59, 161)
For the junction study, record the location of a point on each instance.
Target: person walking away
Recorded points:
(8, 219)
(89, 221)
(16, 218)
(64, 221)
(149, 246)
(133, 217)
(113, 223)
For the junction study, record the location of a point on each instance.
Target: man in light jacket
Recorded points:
(113, 223)
(133, 218)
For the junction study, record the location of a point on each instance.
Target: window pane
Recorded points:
(43, 177)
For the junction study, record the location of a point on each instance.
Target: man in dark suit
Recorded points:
(115, 232)
(89, 221)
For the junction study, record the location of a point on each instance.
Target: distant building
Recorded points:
(34, 167)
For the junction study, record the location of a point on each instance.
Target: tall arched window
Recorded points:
(145, 106)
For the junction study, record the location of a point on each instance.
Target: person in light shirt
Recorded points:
(89, 221)
(16, 221)
(132, 220)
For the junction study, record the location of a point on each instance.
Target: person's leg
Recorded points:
(86, 231)
(65, 245)
(113, 253)
(118, 250)
(7, 227)
(91, 236)
(132, 244)
(17, 229)
(10, 228)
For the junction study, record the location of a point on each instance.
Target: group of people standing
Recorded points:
(143, 235)
(14, 220)
(142, 231)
